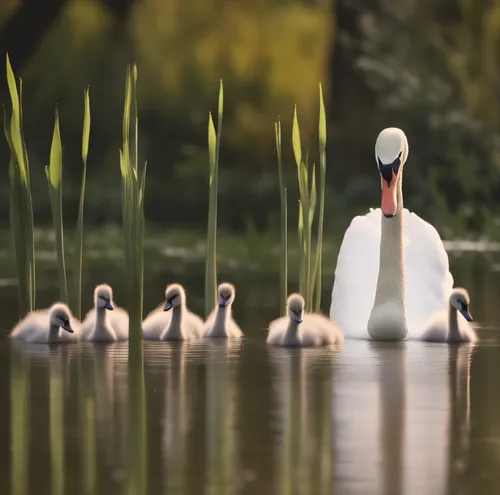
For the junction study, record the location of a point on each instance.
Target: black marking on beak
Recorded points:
(387, 170)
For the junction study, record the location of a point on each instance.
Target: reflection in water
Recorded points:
(305, 406)
(373, 418)
(222, 461)
(177, 417)
(398, 413)
(19, 424)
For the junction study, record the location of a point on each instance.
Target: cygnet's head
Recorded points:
(226, 294)
(295, 304)
(391, 152)
(460, 300)
(175, 296)
(103, 297)
(59, 316)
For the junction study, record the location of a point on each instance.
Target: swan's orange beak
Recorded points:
(389, 197)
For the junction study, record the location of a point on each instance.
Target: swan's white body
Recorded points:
(183, 324)
(220, 323)
(38, 327)
(313, 330)
(392, 273)
(155, 323)
(102, 324)
(448, 326)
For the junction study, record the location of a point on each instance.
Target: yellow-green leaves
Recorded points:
(54, 178)
(297, 149)
(212, 146)
(86, 126)
(54, 172)
(78, 268)
(21, 208)
(133, 191)
(322, 122)
(211, 253)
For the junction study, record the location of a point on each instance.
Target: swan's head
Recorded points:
(103, 297)
(460, 300)
(226, 294)
(391, 152)
(295, 304)
(175, 296)
(59, 316)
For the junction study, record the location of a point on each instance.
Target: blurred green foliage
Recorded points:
(430, 67)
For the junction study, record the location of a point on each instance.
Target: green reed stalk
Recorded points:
(79, 226)
(54, 178)
(322, 162)
(284, 240)
(306, 213)
(211, 254)
(133, 190)
(21, 207)
(19, 425)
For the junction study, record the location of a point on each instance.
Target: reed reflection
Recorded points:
(303, 384)
(19, 424)
(177, 416)
(222, 462)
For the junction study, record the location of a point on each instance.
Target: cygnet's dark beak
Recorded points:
(109, 306)
(466, 314)
(224, 301)
(168, 306)
(67, 327)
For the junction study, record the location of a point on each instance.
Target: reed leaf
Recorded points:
(21, 207)
(54, 178)
(297, 148)
(211, 250)
(284, 240)
(322, 189)
(78, 269)
(133, 191)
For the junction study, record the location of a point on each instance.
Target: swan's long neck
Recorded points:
(292, 331)
(100, 316)
(222, 320)
(388, 317)
(102, 329)
(175, 327)
(53, 333)
(453, 333)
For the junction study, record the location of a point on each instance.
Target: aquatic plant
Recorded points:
(211, 252)
(133, 189)
(322, 188)
(310, 275)
(54, 179)
(21, 206)
(283, 223)
(78, 260)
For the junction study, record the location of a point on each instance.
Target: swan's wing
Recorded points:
(194, 324)
(88, 323)
(277, 329)
(428, 279)
(155, 323)
(427, 276)
(234, 330)
(119, 320)
(356, 275)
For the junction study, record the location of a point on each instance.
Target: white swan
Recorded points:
(106, 322)
(389, 281)
(445, 325)
(47, 326)
(299, 329)
(183, 325)
(220, 323)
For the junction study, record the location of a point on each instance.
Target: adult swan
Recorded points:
(392, 271)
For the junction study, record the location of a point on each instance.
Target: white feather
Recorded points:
(428, 280)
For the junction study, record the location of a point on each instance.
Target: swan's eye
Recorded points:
(463, 305)
(66, 323)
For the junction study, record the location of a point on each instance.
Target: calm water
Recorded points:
(371, 418)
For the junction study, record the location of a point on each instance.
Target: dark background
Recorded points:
(430, 67)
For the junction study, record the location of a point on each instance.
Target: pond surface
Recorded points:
(219, 418)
